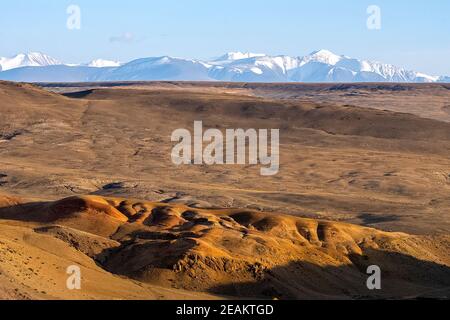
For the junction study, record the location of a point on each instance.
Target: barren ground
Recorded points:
(364, 179)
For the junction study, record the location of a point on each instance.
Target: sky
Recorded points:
(414, 34)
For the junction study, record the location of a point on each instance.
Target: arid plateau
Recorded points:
(86, 179)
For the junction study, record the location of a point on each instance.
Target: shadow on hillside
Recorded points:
(44, 212)
(402, 277)
(30, 212)
(79, 94)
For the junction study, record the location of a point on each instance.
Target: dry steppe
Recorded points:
(86, 179)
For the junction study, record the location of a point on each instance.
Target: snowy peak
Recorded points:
(32, 59)
(102, 63)
(323, 56)
(233, 56)
(158, 69)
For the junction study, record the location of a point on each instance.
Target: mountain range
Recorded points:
(319, 66)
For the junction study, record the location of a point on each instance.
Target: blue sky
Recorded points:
(415, 34)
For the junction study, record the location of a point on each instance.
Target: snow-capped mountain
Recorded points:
(325, 66)
(102, 63)
(160, 68)
(319, 66)
(254, 69)
(322, 56)
(232, 56)
(32, 59)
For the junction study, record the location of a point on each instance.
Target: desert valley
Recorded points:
(86, 179)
